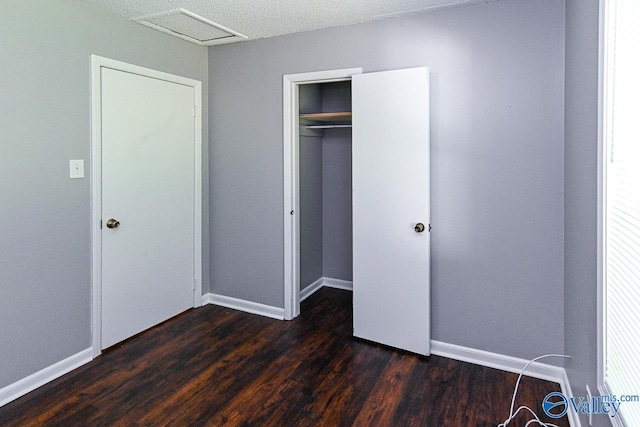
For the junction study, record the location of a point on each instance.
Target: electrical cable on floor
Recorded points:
(535, 419)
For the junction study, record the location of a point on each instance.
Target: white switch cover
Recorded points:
(76, 168)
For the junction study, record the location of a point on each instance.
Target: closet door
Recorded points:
(391, 208)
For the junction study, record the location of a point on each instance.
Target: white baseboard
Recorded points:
(346, 285)
(268, 310)
(325, 282)
(311, 289)
(499, 361)
(243, 305)
(207, 299)
(33, 381)
(538, 370)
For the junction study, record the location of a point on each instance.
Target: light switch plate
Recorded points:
(76, 168)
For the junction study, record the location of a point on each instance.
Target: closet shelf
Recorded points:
(326, 120)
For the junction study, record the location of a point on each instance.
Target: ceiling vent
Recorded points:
(189, 26)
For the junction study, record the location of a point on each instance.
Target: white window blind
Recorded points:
(622, 195)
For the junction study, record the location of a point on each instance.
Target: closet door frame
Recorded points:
(291, 141)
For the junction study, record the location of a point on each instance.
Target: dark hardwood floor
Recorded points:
(215, 366)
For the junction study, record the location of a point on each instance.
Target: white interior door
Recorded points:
(148, 145)
(391, 289)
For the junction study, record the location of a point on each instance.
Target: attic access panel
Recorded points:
(190, 26)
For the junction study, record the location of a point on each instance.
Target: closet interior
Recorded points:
(326, 242)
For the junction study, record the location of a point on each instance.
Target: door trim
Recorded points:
(290, 86)
(97, 63)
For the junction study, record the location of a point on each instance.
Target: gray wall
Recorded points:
(581, 187)
(325, 188)
(497, 74)
(310, 175)
(337, 215)
(45, 272)
(337, 236)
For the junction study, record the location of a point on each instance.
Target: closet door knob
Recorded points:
(419, 228)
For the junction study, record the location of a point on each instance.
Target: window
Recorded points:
(620, 370)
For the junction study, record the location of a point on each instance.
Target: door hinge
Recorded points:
(195, 284)
(429, 228)
(100, 223)
(195, 111)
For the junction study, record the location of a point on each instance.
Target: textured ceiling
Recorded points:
(266, 18)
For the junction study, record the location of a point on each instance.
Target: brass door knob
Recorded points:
(419, 228)
(113, 223)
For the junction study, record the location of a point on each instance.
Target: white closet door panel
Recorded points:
(391, 300)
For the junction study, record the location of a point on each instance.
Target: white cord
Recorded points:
(512, 414)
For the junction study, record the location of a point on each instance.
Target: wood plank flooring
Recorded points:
(214, 366)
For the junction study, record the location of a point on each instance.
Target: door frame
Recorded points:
(291, 141)
(97, 63)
